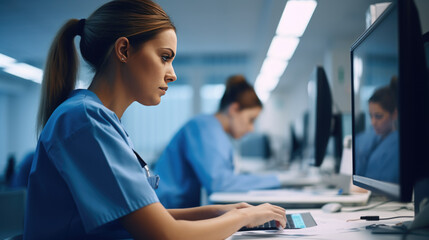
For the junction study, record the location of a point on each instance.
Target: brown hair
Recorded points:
(138, 20)
(240, 91)
(386, 96)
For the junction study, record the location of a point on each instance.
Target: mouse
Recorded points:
(331, 207)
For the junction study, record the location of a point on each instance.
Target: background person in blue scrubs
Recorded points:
(86, 182)
(201, 152)
(377, 153)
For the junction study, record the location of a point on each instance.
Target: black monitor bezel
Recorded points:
(401, 191)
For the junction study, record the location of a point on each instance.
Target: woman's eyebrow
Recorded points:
(171, 50)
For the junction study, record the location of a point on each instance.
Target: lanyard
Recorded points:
(153, 180)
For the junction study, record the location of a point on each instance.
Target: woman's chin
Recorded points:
(151, 102)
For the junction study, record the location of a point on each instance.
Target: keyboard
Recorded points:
(293, 221)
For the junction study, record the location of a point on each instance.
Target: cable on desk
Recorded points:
(367, 208)
(376, 218)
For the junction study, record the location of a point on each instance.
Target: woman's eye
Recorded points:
(165, 58)
(378, 117)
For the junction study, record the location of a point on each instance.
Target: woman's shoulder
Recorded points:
(82, 108)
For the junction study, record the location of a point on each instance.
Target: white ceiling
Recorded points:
(221, 29)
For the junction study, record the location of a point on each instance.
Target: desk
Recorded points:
(335, 225)
(291, 198)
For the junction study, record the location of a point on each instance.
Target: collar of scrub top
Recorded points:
(153, 180)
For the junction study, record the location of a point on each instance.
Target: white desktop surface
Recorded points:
(291, 198)
(335, 225)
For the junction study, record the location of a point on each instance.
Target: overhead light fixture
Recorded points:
(266, 82)
(292, 25)
(6, 61)
(295, 18)
(22, 70)
(273, 66)
(282, 47)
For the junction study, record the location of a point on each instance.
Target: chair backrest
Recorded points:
(12, 211)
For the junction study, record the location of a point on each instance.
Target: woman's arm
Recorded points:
(205, 212)
(155, 222)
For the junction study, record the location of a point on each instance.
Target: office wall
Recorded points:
(338, 70)
(19, 100)
(4, 133)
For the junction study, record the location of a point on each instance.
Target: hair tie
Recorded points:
(80, 26)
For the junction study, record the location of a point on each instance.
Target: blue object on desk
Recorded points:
(298, 221)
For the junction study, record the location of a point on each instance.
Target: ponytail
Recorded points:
(59, 77)
(240, 91)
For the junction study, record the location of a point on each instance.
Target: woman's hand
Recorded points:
(258, 215)
(221, 209)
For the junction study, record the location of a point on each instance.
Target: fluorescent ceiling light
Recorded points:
(26, 71)
(6, 61)
(357, 73)
(292, 25)
(263, 95)
(266, 82)
(295, 17)
(274, 67)
(22, 70)
(282, 47)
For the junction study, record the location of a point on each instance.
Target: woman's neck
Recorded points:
(108, 89)
(224, 121)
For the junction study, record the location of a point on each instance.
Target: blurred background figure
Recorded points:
(20, 176)
(200, 155)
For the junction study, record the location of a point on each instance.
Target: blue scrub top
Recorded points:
(85, 175)
(378, 158)
(201, 155)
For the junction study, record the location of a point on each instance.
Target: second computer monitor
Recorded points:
(320, 115)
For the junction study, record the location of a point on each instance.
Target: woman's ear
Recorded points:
(122, 48)
(233, 108)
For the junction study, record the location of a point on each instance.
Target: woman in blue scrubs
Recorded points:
(201, 153)
(86, 181)
(377, 152)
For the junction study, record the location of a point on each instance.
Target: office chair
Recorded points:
(12, 210)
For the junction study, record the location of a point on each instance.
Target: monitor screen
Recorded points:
(320, 116)
(375, 74)
(390, 91)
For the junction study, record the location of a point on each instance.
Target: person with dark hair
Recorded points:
(200, 155)
(378, 145)
(86, 181)
(10, 170)
(20, 178)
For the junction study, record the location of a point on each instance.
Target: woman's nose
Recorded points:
(171, 76)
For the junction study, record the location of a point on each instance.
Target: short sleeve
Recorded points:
(210, 153)
(102, 173)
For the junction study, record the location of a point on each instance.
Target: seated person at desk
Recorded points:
(20, 177)
(377, 151)
(86, 181)
(201, 152)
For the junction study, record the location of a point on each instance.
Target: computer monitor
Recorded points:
(388, 62)
(426, 46)
(296, 144)
(323, 123)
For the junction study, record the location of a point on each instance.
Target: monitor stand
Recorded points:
(420, 224)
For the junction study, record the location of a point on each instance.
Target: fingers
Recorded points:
(279, 214)
(243, 205)
(266, 212)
